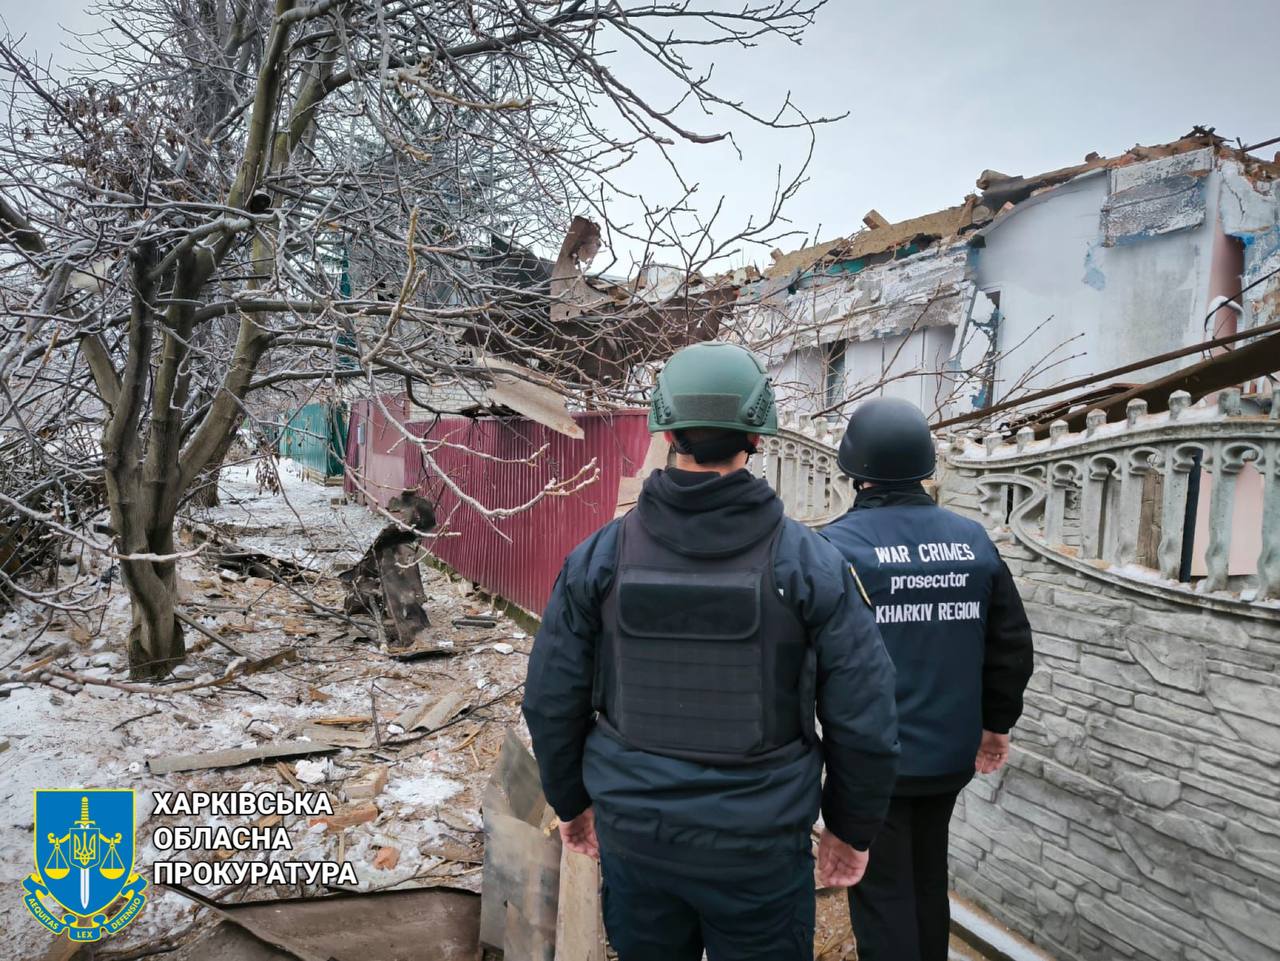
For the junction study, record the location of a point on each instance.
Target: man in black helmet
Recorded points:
(954, 625)
(673, 686)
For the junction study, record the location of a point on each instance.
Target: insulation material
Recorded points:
(1157, 197)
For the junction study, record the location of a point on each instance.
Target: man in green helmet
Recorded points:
(673, 687)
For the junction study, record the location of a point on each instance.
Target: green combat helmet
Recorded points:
(713, 385)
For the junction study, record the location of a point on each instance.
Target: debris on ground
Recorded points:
(294, 707)
(281, 691)
(386, 584)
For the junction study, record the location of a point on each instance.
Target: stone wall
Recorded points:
(1139, 816)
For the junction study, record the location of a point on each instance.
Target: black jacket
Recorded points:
(675, 810)
(1003, 653)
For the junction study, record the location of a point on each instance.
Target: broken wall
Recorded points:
(897, 320)
(1138, 815)
(1080, 293)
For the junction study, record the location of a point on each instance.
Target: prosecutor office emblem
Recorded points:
(84, 881)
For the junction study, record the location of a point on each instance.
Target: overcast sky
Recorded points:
(939, 90)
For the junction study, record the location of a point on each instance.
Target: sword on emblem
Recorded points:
(84, 849)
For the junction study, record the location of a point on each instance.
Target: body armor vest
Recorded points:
(700, 658)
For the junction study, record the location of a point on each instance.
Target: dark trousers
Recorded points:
(899, 910)
(658, 915)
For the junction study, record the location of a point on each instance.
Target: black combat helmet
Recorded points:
(887, 442)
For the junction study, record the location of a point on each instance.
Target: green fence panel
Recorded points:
(315, 436)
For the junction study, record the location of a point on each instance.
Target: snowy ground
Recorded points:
(102, 737)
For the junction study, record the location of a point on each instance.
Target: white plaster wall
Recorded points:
(1099, 307)
(798, 381)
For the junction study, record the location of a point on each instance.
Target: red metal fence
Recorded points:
(376, 448)
(501, 463)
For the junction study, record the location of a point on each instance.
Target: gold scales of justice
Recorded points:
(85, 853)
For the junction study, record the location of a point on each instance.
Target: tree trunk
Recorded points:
(156, 641)
(205, 493)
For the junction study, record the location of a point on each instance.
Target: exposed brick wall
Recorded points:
(1139, 816)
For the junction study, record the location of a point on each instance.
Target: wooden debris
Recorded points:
(285, 773)
(297, 627)
(341, 720)
(521, 864)
(431, 715)
(236, 756)
(336, 736)
(419, 651)
(579, 922)
(386, 859)
(368, 784)
(470, 621)
(454, 852)
(347, 817)
(4, 744)
(317, 695)
(240, 562)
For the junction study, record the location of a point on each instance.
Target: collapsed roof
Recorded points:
(998, 194)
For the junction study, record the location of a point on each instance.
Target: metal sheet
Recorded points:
(502, 463)
(339, 928)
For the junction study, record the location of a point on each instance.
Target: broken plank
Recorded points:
(454, 852)
(579, 922)
(336, 736)
(442, 648)
(470, 621)
(342, 719)
(431, 716)
(285, 773)
(236, 756)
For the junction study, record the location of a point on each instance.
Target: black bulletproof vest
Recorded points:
(928, 574)
(700, 658)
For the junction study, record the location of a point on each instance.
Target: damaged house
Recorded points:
(1031, 282)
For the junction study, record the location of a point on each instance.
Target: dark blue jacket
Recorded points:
(952, 621)
(669, 809)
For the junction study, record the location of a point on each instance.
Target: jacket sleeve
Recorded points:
(557, 693)
(855, 695)
(1009, 658)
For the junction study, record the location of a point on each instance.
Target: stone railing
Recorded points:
(1112, 502)
(800, 464)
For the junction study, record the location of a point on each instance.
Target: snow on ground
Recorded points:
(94, 736)
(303, 524)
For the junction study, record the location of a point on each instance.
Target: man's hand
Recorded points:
(839, 865)
(580, 834)
(992, 753)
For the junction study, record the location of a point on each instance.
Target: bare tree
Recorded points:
(231, 197)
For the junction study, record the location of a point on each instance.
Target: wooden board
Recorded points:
(579, 923)
(236, 756)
